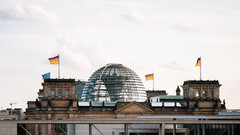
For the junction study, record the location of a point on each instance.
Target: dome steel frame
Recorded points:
(114, 82)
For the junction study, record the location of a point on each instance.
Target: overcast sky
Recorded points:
(148, 36)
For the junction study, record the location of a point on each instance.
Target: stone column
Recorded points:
(174, 129)
(36, 129)
(161, 130)
(44, 129)
(195, 130)
(90, 129)
(203, 129)
(198, 130)
(229, 131)
(125, 129)
(54, 127)
(232, 129)
(49, 127)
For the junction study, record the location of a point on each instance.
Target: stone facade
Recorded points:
(153, 93)
(202, 95)
(57, 101)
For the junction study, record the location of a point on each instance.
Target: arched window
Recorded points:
(211, 94)
(197, 93)
(66, 93)
(52, 92)
(59, 92)
(204, 93)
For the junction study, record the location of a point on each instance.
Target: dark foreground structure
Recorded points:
(179, 125)
(113, 97)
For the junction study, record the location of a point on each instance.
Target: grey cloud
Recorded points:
(174, 65)
(104, 17)
(28, 13)
(136, 18)
(182, 27)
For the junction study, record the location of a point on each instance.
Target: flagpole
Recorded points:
(59, 67)
(153, 81)
(200, 68)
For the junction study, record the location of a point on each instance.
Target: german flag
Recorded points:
(149, 77)
(54, 60)
(198, 64)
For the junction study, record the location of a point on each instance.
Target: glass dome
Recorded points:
(114, 82)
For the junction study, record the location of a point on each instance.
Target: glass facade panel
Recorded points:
(204, 93)
(211, 94)
(197, 93)
(52, 92)
(66, 93)
(59, 92)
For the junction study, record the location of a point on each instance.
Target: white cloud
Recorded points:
(140, 34)
(185, 27)
(104, 18)
(28, 13)
(94, 52)
(137, 18)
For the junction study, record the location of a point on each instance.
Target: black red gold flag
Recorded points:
(54, 60)
(149, 77)
(198, 64)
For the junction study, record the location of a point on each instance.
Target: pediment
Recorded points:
(134, 107)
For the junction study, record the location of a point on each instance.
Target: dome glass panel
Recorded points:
(114, 82)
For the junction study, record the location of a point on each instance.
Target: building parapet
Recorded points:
(202, 82)
(59, 80)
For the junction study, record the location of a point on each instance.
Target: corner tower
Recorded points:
(58, 93)
(200, 95)
(56, 101)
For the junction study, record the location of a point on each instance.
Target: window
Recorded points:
(59, 92)
(211, 94)
(204, 93)
(52, 92)
(66, 93)
(186, 93)
(197, 93)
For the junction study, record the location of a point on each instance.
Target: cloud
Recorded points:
(132, 17)
(88, 50)
(28, 13)
(183, 27)
(104, 18)
(137, 18)
(179, 65)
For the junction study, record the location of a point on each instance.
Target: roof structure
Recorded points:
(170, 97)
(114, 82)
(202, 82)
